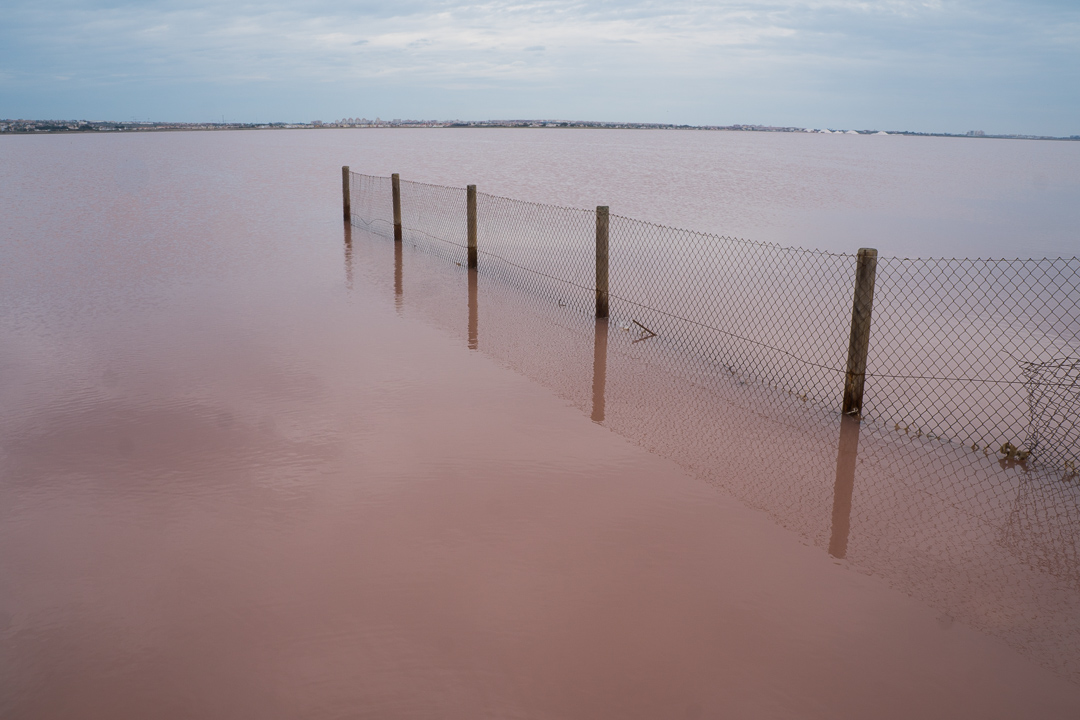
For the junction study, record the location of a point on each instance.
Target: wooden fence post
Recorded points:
(859, 343)
(345, 198)
(470, 206)
(602, 261)
(395, 184)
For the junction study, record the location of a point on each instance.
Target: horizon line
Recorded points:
(31, 126)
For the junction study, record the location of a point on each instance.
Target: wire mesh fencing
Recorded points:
(372, 204)
(778, 315)
(967, 349)
(546, 250)
(433, 217)
(980, 352)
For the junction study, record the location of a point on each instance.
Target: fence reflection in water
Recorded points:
(988, 542)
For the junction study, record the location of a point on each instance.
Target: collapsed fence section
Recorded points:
(956, 349)
(1054, 398)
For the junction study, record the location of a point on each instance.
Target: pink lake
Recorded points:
(256, 464)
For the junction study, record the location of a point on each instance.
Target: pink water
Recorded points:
(247, 470)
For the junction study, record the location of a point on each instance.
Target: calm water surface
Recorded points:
(906, 196)
(254, 465)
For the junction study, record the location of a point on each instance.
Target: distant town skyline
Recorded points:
(24, 126)
(942, 66)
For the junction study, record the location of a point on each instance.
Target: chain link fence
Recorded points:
(434, 216)
(979, 352)
(373, 204)
(967, 349)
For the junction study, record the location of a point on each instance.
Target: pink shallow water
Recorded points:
(249, 471)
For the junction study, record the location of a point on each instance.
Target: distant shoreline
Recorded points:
(43, 127)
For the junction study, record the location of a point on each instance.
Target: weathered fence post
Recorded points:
(859, 344)
(346, 203)
(470, 207)
(602, 261)
(395, 184)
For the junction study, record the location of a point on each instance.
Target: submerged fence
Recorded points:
(980, 352)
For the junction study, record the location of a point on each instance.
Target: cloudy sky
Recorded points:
(940, 65)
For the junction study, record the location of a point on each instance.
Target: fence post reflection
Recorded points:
(599, 369)
(846, 454)
(348, 257)
(397, 275)
(474, 320)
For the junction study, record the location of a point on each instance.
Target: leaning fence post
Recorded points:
(470, 207)
(395, 185)
(859, 343)
(602, 261)
(346, 204)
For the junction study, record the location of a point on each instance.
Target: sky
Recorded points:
(1001, 66)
